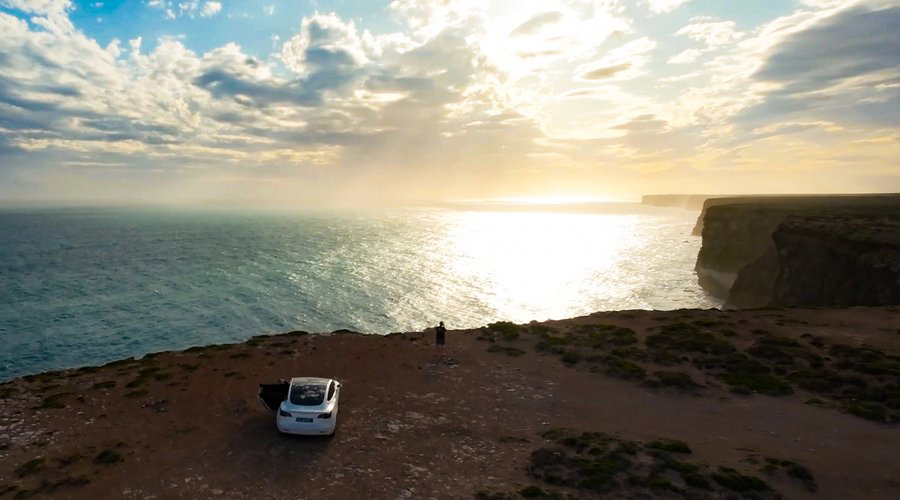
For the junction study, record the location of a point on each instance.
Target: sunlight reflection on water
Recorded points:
(81, 287)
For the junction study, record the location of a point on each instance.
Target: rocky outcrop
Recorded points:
(802, 251)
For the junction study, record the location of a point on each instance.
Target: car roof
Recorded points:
(310, 380)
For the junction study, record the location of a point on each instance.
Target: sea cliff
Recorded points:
(801, 251)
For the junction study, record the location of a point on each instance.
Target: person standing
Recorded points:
(440, 335)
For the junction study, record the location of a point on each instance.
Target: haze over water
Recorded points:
(86, 286)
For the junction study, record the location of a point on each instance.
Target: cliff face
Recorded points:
(841, 260)
(840, 251)
(734, 236)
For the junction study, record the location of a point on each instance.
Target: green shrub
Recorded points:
(30, 467)
(571, 357)
(622, 368)
(531, 492)
(734, 480)
(506, 329)
(670, 445)
(695, 480)
(108, 457)
(868, 411)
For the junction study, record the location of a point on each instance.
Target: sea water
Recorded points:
(85, 286)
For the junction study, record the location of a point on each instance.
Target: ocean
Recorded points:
(87, 286)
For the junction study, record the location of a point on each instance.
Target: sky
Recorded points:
(310, 103)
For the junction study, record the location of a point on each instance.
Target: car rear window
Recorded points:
(307, 394)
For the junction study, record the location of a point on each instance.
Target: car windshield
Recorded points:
(306, 394)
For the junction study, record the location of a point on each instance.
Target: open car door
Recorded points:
(271, 395)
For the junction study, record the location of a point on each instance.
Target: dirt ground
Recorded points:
(415, 423)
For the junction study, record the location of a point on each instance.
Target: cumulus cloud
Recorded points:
(38, 6)
(662, 6)
(486, 94)
(210, 9)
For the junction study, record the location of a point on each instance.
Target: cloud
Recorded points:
(605, 72)
(465, 98)
(622, 62)
(845, 68)
(210, 9)
(686, 57)
(173, 9)
(536, 22)
(712, 32)
(40, 7)
(663, 6)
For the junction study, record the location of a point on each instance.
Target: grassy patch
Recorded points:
(867, 410)
(108, 457)
(532, 492)
(735, 481)
(670, 445)
(781, 351)
(607, 336)
(506, 329)
(136, 394)
(615, 366)
(52, 401)
(67, 460)
(106, 384)
(793, 470)
(30, 467)
(571, 357)
(540, 329)
(684, 337)
(146, 374)
(762, 383)
(598, 465)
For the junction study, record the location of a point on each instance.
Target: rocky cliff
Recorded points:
(802, 251)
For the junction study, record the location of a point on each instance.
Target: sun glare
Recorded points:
(551, 200)
(520, 259)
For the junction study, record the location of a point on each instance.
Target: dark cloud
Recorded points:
(330, 69)
(845, 69)
(223, 84)
(536, 23)
(854, 43)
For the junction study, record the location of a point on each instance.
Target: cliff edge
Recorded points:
(802, 251)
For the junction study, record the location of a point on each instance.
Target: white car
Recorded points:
(305, 405)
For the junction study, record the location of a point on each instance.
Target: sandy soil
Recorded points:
(417, 424)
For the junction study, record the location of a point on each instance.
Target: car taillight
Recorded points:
(283, 413)
(325, 415)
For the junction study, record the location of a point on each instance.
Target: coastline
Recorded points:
(187, 424)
